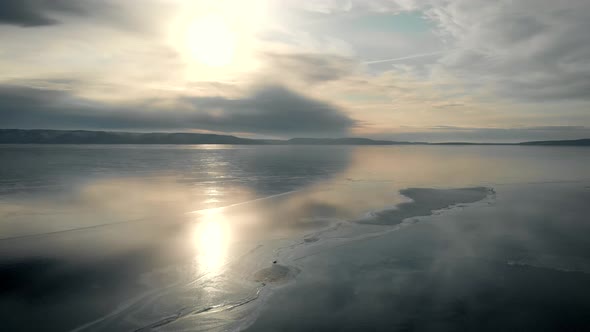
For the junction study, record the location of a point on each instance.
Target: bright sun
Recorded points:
(218, 40)
(211, 41)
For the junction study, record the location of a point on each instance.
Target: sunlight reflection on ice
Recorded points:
(212, 237)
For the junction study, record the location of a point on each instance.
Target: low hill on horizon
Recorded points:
(574, 142)
(49, 136)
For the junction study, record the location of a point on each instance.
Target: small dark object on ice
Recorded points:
(274, 262)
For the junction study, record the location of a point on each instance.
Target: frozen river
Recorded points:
(294, 238)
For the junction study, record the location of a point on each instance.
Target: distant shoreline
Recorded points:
(47, 136)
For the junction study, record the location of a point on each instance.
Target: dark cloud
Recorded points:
(270, 110)
(274, 109)
(311, 68)
(121, 14)
(32, 13)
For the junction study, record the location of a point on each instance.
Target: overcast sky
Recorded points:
(423, 70)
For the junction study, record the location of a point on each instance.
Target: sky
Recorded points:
(417, 70)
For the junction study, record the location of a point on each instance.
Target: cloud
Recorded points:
(407, 57)
(311, 68)
(347, 6)
(34, 13)
(526, 50)
(271, 110)
(520, 53)
(274, 110)
(459, 62)
(447, 105)
(110, 13)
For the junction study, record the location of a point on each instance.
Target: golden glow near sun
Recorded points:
(212, 236)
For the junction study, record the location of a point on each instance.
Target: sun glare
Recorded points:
(218, 40)
(212, 237)
(211, 41)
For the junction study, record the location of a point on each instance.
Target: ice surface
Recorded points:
(424, 201)
(184, 238)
